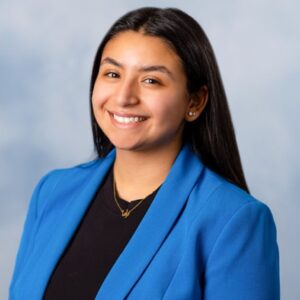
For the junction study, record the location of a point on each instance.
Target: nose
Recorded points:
(126, 93)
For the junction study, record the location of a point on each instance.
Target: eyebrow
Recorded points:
(158, 68)
(109, 60)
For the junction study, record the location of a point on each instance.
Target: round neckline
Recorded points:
(125, 203)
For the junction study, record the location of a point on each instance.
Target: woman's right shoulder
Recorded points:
(59, 182)
(51, 177)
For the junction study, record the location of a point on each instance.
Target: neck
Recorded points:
(138, 173)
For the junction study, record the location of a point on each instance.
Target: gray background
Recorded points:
(46, 52)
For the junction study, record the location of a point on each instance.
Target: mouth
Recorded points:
(127, 119)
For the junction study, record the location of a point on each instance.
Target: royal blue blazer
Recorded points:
(201, 238)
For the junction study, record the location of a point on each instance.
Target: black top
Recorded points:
(98, 241)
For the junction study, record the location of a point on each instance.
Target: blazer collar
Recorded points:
(154, 227)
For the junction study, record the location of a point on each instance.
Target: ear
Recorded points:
(197, 104)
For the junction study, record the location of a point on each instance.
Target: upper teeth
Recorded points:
(127, 119)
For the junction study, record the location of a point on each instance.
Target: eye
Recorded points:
(112, 75)
(151, 81)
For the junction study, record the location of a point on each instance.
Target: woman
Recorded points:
(164, 212)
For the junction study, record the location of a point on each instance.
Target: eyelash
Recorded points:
(153, 81)
(112, 75)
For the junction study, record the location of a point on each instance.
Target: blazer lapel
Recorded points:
(154, 227)
(55, 234)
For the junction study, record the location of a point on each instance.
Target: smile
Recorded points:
(127, 120)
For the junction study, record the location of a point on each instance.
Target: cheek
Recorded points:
(99, 97)
(170, 108)
(95, 105)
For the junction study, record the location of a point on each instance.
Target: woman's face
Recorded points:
(140, 99)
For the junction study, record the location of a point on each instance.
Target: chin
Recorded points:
(126, 145)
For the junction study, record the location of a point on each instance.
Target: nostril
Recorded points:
(126, 101)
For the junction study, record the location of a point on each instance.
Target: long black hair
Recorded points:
(212, 135)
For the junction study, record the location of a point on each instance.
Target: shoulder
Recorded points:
(215, 197)
(221, 214)
(84, 167)
(50, 179)
(60, 182)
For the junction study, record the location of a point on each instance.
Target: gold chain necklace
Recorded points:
(124, 212)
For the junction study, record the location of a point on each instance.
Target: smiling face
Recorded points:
(140, 99)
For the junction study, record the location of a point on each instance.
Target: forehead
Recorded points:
(131, 47)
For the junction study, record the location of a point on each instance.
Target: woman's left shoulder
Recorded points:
(221, 197)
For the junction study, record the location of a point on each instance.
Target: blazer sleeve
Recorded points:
(30, 227)
(244, 262)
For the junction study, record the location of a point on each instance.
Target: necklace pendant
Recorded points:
(125, 213)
